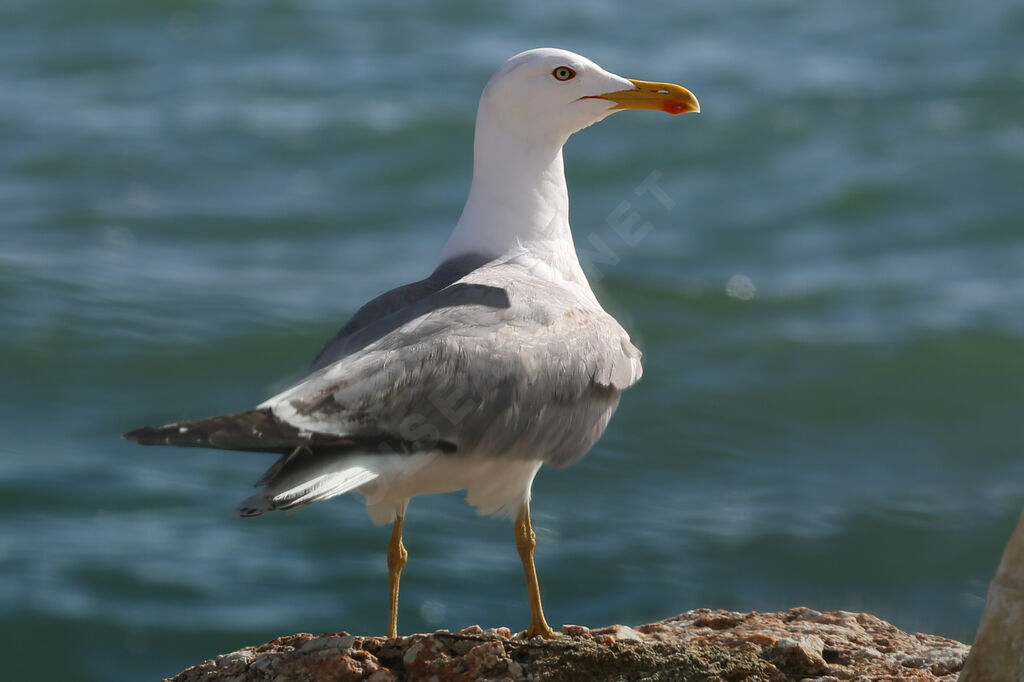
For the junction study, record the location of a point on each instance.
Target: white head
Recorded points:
(547, 94)
(529, 108)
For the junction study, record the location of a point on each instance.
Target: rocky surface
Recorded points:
(998, 652)
(799, 644)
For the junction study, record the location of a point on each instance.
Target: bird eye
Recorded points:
(563, 73)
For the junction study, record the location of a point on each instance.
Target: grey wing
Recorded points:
(379, 314)
(522, 371)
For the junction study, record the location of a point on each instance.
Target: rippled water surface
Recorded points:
(195, 195)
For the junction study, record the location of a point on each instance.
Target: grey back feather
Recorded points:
(383, 309)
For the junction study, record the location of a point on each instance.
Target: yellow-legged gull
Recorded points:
(498, 362)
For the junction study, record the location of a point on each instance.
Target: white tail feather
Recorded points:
(323, 487)
(289, 495)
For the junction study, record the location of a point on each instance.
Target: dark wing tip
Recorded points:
(260, 431)
(146, 435)
(256, 431)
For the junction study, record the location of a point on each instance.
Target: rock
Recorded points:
(697, 645)
(800, 656)
(575, 631)
(615, 633)
(998, 652)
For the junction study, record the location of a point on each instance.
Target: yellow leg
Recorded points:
(397, 557)
(526, 540)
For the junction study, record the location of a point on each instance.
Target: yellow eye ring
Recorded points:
(563, 73)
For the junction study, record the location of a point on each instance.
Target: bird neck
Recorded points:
(518, 203)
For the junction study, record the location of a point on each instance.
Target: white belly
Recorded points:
(492, 485)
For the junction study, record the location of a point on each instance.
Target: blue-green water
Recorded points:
(195, 195)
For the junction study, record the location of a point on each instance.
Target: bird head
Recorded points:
(547, 94)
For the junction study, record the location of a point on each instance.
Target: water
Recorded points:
(196, 195)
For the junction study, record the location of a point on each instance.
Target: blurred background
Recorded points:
(195, 195)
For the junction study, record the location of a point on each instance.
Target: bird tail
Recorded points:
(300, 479)
(312, 467)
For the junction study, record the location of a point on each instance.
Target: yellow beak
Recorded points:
(667, 97)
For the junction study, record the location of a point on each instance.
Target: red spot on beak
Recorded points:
(674, 106)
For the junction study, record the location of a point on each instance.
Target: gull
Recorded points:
(470, 379)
